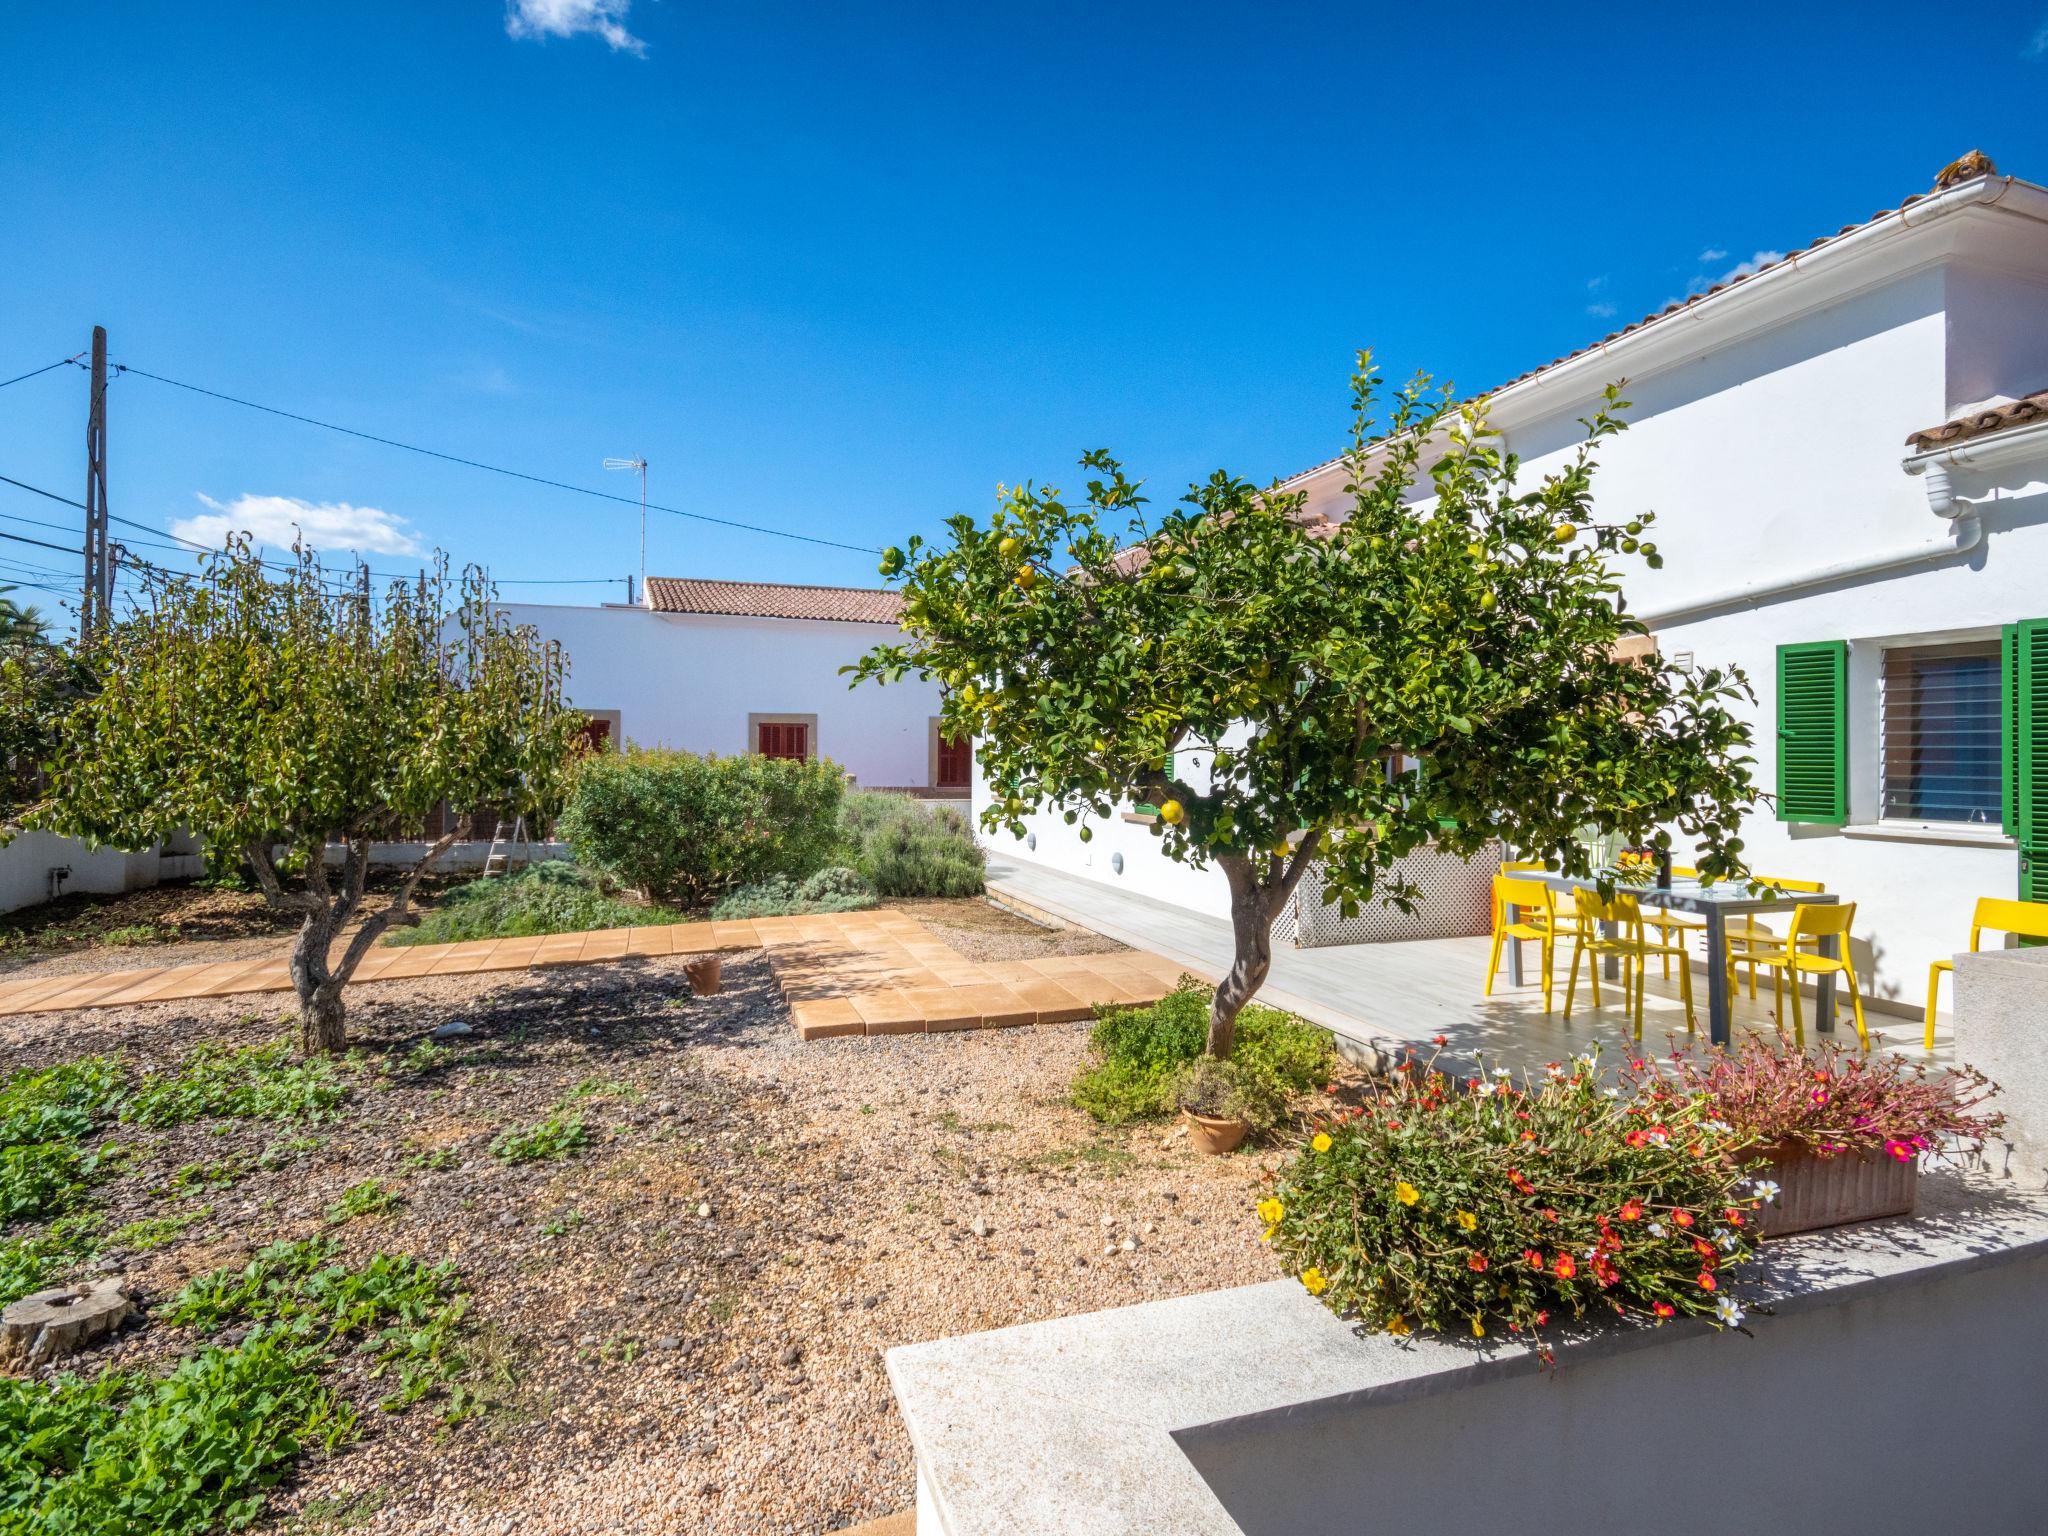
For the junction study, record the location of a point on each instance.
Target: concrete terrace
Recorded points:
(1382, 998)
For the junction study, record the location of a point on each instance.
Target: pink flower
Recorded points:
(1902, 1150)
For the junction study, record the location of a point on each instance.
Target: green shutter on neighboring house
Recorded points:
(2023, 678)
(1813, 732)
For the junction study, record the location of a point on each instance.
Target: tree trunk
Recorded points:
(322, 1021)
(1253, 905)
(321, 1030)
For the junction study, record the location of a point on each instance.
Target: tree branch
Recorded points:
(257, 852)
(397, 913)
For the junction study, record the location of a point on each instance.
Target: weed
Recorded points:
(48, 1178)
(368, 1198)
(339, 1512)
(155, 1231)
(433, 1160)
(558, 1136)
(1103, 1156)
(258, 1082)
(565, 1223)
(289, 1149)
(604, 1088)
(198, 1178)
(30, 1263)
(133, 934)
(426, 1056)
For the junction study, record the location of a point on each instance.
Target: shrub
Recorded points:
(552, 897)
(1139, 1051)
(829, 890)
(1829, 1101)
(910, 849)
(685, 828)
(1225, 1090)
(1449, 1208)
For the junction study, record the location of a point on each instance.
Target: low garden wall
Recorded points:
(1893, 1387)
(37, 866)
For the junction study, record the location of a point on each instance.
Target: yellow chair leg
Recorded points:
(1571, 983)
(1685, 991)
(1642, 985)
(1933, 997)
(1493, 962)
(1855, 1000)
(1549, 951)
(1798, 1023)
(1778, 994)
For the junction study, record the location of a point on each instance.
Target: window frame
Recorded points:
(808, 722)
(1990, 827)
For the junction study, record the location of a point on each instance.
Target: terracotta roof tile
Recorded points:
(1679, 305)
(772, 600)
(1993, 418)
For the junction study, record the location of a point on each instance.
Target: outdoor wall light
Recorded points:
(1031, 841)
(1116, 862)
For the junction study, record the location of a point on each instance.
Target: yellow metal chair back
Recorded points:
(1811, 922)
(1821, 920)
(1539, 922)
(2002, 914)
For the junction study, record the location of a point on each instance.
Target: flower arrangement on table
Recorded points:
(1504, 1205)
(1828, 1103)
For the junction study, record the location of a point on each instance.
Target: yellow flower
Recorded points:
(1478, 1329)
(1321, 1142)
(1271, 1211)
(1313, 1279)
(1467, 1220)
(1405, 1192)
(1397, 1325)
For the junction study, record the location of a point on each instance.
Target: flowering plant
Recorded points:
(1435, 1205)
(1831, 1102)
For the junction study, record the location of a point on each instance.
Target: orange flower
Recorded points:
(1632, 1210)
(1683, 1218)
(1564, 1267)
(1476, 1263)
(1664, 1309)
(1707, 1282)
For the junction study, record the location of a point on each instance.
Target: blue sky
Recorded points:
(840, 269)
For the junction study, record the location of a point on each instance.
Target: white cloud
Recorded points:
(1595, 284)
(567, 18)
(277, 520)
(1601, 311)
(1712, 253)
(1702, 281)
(2037, 45)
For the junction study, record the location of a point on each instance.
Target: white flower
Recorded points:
(1765, 1190)
(1656, 1229)
(1725, 1238)
(1614, 1093)
(1728, 1311)
(1502, 1072)
(1719, 1127)
(1484, 1090)
(1659, 1137)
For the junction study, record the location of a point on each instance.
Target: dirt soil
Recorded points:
(652, 1367)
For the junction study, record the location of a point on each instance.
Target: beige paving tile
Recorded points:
(943, 1008)
(691, 938)
(825, 1017)
(517, 954)
(608, 945)
(887, 1013)
(656, 939)
(739, 935)
(1050, 1002)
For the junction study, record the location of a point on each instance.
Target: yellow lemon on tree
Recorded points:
(1564, 533)
(1028, 578)
(1476, 551)
(1488, 602)
(1009, 549)
(1172, 812)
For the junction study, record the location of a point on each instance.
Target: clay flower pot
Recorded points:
(703, 974)
(1211, 1134)
(1816, 1192)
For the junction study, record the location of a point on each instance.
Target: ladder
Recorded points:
(499, 859)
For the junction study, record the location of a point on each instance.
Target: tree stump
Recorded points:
(62, 1319)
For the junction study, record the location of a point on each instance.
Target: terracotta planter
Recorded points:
(703, 975)
(1210, 1134)
(1816, 1192)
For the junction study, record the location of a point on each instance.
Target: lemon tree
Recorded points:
(1450, 660)
(281, 715)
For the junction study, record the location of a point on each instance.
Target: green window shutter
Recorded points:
(1169, 764)
(1813, 732)
(2023, 674)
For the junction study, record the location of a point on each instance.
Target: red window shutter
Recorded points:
(956, 762)
(597, 735)
(785, 740)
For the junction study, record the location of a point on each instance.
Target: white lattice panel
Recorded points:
(1455, 900)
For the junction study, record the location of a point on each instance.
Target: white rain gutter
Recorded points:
(1965, 532)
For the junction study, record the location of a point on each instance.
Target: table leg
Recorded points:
(1824, 988)
(1611, 966)
(1513, 915)
(1717, 975)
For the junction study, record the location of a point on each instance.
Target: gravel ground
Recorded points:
(651, 1368)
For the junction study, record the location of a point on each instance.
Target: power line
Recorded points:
(495, 469)
(22, 538)
(33, 372)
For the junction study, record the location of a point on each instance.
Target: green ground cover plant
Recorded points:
(551, 897)
(556, 1137)
(832, 889)
(1141, 1053)
(259, 1082)
(365, 1199)
(904, 848)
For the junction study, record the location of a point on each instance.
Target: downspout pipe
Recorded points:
(1936, 469)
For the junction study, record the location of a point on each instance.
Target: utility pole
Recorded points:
(98, 595)
(641, 465)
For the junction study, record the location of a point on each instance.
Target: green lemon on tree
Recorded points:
(892, 560)
(1086, 834)
(1476, 551)
(1010, 548)
(1488, 602)
(1565, 533)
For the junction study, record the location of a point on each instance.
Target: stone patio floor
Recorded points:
(852, 973)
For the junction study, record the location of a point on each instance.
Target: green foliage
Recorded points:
(1140, 1052)
(1440, 664)
(200, 1178)
(556, 1137)
(685, 828)
(183, 1454)
(155, 1231)
(552, 897)
(128, 936)
(1460, 1207)
(917, 850)
(368, 1198)
(1228, 1090)
(834, 889)
(258, 1082)
(30, 1263)
(59, 1101)
(47, 1179)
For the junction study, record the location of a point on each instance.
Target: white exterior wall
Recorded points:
(28, 861)
(1764, 454)
(690, 681)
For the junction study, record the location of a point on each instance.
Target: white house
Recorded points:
(1847, 452)
(749, 666)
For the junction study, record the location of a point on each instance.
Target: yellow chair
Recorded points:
(1667, 922)
(1811, 922)
(1538, 921)
(1629, 945)
(1752, 932)
(2027, 919)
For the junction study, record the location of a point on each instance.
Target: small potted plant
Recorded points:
(1223, 1103)
(1843, 1133)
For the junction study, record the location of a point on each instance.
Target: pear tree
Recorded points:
(1451, 661)
(294, 718)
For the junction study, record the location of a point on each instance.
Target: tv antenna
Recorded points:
(640, 465)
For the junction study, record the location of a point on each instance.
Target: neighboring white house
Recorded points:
(749, 666)
(1847, 452)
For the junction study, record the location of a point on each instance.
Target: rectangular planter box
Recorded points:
(1816, 1192)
